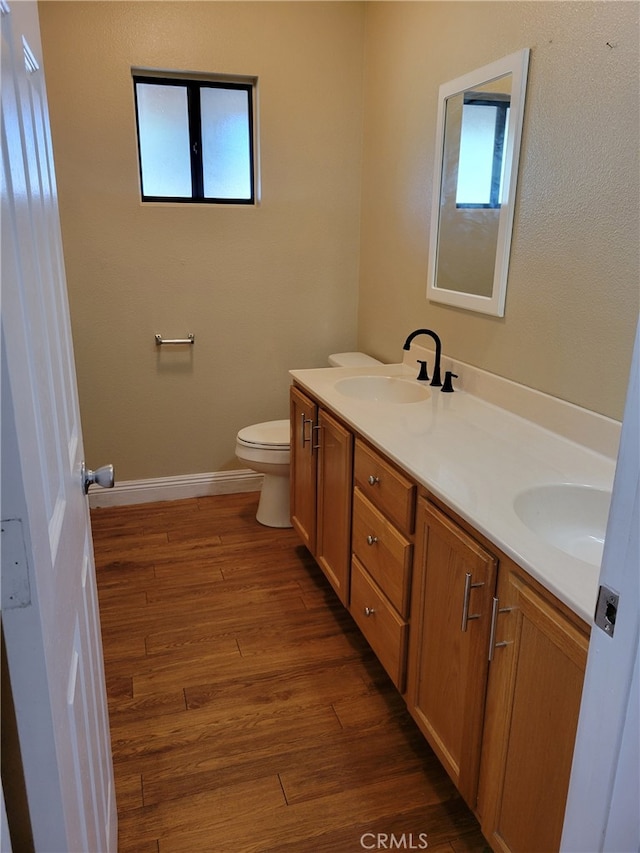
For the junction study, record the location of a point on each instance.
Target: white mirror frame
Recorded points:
(516, 64)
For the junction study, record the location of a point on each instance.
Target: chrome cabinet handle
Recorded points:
(468, 586)
(373, 480)
(371, 540)
(369, 611)
(102, 477)
(495, 609)
(315, 429)
(305, 421)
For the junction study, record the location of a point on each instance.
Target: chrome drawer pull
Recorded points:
(495, 609)
(369, 611)
(371, 540)
(305, 421)
(373, 480)
(468, 586)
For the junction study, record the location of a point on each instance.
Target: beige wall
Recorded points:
(275, 287)
(262, 289)
(573, 292)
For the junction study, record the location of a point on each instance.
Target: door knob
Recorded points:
(102, 477)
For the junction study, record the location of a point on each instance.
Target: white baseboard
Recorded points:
(176, 488)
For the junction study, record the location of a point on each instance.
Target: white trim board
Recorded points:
(176, 488)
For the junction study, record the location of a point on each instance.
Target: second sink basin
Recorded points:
(382, 389)
(568, 516)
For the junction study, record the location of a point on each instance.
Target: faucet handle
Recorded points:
(423, 376)
(447, 387)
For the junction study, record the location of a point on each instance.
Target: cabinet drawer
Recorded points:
(384, 630)
(383, 550)
(384, 486)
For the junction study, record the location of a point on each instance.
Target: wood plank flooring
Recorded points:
(248, 714)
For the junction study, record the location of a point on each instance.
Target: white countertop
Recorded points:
(476, 457)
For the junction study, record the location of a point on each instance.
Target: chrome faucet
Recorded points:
(435, 380)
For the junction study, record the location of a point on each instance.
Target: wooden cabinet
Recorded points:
(383, 513)
(454, 583)
(497, 701)
(321, 476)
(493, 664)
(533, 702)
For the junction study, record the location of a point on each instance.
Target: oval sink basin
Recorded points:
(570, 517)
(382, 389)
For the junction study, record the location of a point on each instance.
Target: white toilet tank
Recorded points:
(352, 359)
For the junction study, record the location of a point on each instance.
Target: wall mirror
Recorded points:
(478, 133)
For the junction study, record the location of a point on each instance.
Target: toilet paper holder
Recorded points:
(160, 341)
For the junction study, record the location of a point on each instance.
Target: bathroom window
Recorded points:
(483, 139)
(195, 140)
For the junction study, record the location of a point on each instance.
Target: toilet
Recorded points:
(266, 449)
(352, 359)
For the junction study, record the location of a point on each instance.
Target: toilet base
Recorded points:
(273, 507)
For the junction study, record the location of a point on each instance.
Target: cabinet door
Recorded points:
(335, 471)
(304, 415)
(454, 582)
(533, 702)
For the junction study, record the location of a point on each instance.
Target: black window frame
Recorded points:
(193, 88)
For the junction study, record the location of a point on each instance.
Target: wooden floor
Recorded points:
(247, 711)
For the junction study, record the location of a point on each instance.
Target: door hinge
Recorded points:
(16, 591)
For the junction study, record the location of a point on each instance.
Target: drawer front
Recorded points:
(384, 630)
(388, 489)
(383, 550)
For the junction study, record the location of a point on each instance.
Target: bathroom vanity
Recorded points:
(409, 499)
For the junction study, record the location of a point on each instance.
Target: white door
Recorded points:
(50, 618)
(603, 811)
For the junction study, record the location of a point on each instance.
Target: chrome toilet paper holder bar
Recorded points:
(160, 341)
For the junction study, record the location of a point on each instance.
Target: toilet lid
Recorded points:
(270, 434)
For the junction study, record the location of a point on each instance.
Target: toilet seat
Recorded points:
(272, 435)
